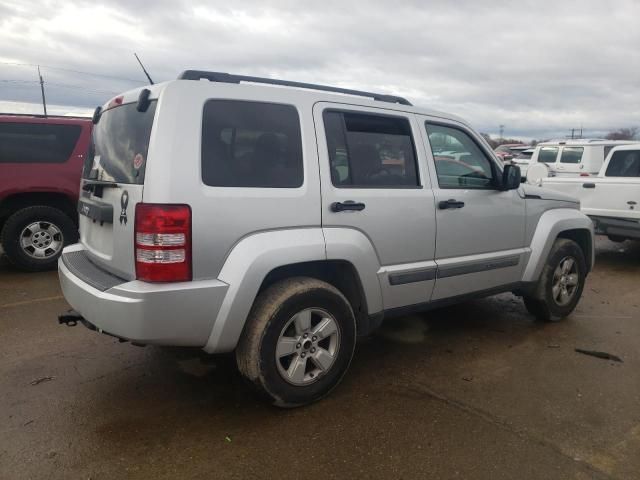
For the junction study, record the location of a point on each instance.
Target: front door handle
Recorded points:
(347, 205)
(589, 185)
(451, 203)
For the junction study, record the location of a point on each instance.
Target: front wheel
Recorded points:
(561, 283)
(298, 341)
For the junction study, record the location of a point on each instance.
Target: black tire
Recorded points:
(15, 225)
(271, 313)
(541, 302)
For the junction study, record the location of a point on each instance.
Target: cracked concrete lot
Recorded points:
(477, 391)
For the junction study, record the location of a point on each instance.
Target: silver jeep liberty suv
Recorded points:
(280, 220)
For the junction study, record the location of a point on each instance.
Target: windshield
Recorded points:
(119, 144)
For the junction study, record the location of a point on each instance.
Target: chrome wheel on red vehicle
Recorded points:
(33, 237)
(41, 240)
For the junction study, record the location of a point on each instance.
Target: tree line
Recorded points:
(627, 133)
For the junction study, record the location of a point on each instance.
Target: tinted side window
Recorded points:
(571, 155)
(37, 142)
(625, 163)
(548, 154)
(460, 163)
(370, 151)
(251, 144)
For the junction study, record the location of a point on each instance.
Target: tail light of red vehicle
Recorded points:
(163, 242)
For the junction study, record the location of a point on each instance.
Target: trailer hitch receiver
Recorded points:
(70, 318)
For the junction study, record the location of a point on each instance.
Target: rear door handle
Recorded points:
(451, 203)
(588, 185)
(347, 205)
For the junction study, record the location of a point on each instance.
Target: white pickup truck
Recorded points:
(571, 158)
(612, 198)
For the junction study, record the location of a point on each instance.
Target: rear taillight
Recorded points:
(163, 242)
(584, 174)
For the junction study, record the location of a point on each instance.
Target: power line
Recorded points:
(72, 71)
(28, 83)
(19, 81)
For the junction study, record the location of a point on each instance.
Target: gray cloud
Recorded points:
(541, 68)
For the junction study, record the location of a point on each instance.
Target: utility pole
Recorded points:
(44, 102)
(501, 132)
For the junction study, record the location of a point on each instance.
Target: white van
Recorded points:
(574, 157)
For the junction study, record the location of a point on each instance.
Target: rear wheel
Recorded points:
(33, 238)
(561, 282)
(298, 341)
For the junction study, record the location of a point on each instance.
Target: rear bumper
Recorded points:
(621, 227)
(179, 314)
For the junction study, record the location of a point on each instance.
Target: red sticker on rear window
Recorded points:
(138, 160)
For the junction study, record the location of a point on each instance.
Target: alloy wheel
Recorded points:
(307, 346)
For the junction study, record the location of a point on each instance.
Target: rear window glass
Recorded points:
(548, 154)
(119, 145)
(571, 155)
(37, 142)
(251, 144)
(624, 163)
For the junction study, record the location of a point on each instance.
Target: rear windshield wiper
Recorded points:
(90, 185)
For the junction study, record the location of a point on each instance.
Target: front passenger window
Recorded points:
(460, 163)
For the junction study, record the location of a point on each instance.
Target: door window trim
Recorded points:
(495, 170)
(400, 115)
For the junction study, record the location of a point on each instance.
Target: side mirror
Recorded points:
(511, 177)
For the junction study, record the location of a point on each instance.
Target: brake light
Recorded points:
(584, 174)
(163, 242)
(116, 101)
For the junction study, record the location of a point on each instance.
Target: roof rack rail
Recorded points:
(229, 78)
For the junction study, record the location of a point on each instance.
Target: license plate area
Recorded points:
(97, 211)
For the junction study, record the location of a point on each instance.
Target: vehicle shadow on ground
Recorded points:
(623, 256)
(201, 392)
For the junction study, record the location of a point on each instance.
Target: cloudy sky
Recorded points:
(540, 67)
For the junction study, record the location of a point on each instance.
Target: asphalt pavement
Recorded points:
(475, 391)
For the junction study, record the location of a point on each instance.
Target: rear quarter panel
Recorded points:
(224, 216)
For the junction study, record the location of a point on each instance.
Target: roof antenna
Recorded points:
(143, 69)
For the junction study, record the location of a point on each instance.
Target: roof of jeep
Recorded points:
(296, 94)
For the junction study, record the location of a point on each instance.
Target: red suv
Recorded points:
(41, 160)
